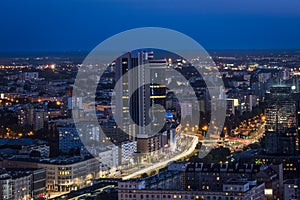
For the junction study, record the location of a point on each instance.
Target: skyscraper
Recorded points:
(141, 98)
(281, 120)
(123, 64)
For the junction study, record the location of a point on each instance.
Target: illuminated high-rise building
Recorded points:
(141, 98)
(123, 64)
(282, 103)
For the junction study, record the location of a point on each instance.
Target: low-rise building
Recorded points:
(19, 184)
(233, 189)
(292, 189)
(210, 176)
(62, 174)
(128, 148)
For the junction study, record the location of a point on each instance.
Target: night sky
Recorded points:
(79, 25)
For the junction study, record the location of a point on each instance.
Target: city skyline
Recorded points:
(37, 131)
(149, 100)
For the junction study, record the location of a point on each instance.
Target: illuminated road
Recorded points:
(240, 143)
(89, 194)
(165, 163)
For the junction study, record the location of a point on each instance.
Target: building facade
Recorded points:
(62, 174)
(22, 184)
(281, 121)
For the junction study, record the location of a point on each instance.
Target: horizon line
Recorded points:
(13, 53)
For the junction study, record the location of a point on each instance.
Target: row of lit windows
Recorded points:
(64, 172)
(289, 169)
(147, 196)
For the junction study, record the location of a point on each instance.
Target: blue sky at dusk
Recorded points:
(72, 25)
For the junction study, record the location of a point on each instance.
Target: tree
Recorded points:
(152, 173)
(162, 169)
(144, 175)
